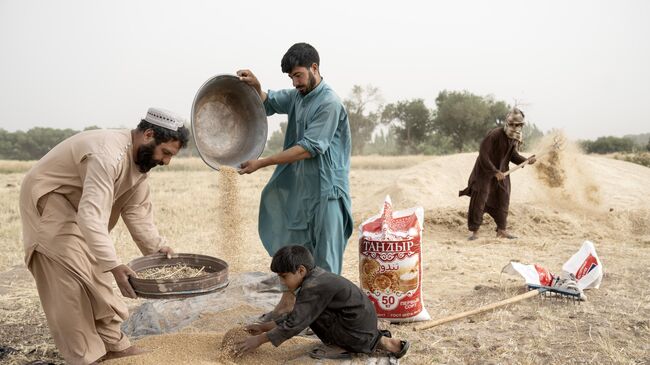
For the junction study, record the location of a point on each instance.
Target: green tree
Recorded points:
(647, 147)
(466, 118)
(498, 110)
(384, 143)
(608, 144)
(6, 145)
(411, 123)
(275, 143)
(31, 145)
(437, 144)
(36, 142)
(362, 120)
(640, 140)
(532, 134)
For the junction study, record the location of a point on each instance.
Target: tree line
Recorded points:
(458, 123)
(33, 144)
(36, 142)
(611, 144)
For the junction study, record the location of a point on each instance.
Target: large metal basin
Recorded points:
(215, 279)
(229, 122)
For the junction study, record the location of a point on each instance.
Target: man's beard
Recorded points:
(144, 158)
(311, 84)
(514, 133)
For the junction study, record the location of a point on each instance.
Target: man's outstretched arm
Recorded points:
(293, 154)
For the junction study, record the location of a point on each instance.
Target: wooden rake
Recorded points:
(533, 290)
(558, 144)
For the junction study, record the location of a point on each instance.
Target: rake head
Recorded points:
(559, 293)
(558, 142)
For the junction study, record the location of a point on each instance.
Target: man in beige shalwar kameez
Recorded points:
(69, 201)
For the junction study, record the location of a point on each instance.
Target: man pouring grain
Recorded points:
(69, 201)
(488, 188)
(307, 200)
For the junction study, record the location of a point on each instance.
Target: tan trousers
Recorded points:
(82, 311)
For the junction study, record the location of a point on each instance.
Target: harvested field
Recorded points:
(601, 199)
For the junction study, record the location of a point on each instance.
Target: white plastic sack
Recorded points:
(584, 265)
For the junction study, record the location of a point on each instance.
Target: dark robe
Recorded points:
(336, 310)
(486, 193)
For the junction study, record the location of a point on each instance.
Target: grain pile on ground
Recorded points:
(205, 348)
(177, 271)
(602, 199)
(229, 342)
(229, 222)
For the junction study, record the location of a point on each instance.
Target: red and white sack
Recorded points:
(390, 257)
(584, 265)
(533, 274)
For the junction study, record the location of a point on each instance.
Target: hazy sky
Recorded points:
(582, 66)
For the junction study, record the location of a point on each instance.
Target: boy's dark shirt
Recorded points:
(336, 310)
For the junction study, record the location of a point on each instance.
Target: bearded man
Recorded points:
(69, 201)
(488, 187)
(307, 200)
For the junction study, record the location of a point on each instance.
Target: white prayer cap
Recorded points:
(164, 118)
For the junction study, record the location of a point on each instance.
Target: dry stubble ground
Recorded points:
(613, 326)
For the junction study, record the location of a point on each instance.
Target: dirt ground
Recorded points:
(603, 200)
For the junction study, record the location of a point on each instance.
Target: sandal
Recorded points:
(322, 353)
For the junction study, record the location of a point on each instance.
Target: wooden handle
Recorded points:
(485, 308)
(520, 166)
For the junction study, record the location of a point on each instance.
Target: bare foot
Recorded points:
(390, 344)
(394, 346)
(502, 233)
(131, 351)
(473, 237)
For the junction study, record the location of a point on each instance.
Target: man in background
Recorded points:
(488, 188)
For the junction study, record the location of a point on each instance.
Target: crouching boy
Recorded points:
(333, 307)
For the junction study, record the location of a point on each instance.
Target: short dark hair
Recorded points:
(289, 258)
(300, 54)
(162, 135)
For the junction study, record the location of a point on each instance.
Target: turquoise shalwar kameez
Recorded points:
(307, 202)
